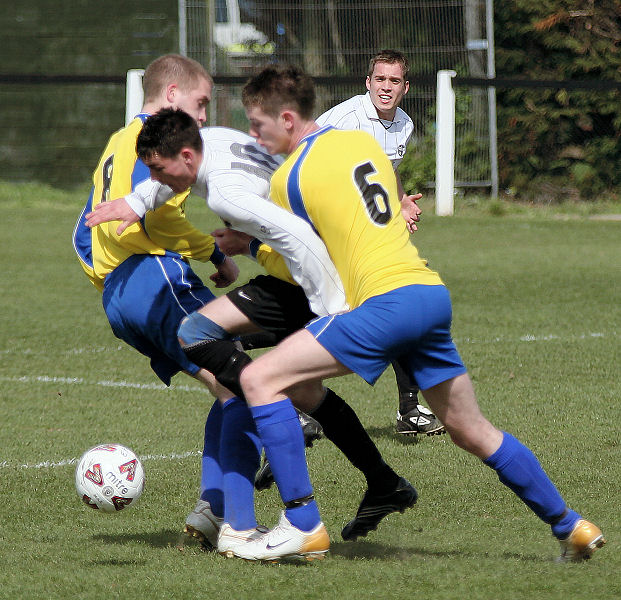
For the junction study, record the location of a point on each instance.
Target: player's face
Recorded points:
(194, 101)
(387, 87)
(178, 172)
(270, 132)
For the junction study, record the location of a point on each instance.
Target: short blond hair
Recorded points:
(172, 68)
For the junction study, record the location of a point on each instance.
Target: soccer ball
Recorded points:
(109, 478)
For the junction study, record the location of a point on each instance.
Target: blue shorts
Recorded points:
(145, 299)
(411, 323)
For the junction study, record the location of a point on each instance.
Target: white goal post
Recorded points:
(134, 95)
(445, 143)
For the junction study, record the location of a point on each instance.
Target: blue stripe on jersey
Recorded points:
(141, 171)
(294, 192)
(82, 243)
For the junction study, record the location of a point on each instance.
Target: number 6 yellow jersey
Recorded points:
(343, 184)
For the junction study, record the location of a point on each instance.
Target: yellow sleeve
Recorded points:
(169, 228)
(273, 263)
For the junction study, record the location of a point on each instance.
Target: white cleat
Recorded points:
(230, 539)
(285, 541)
(203, 525)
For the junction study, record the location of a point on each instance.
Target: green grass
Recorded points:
(536, 318)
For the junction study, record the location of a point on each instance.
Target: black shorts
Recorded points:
(277, 307)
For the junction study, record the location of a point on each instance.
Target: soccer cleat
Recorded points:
(285, 541)
(310, 428)
(229, 539)
(264, 477)
(374, 508)
(312, 431)
(419, 420)
(584, 539)
(203, 525)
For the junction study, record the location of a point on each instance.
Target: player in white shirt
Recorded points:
(378, 113)
(233, 178)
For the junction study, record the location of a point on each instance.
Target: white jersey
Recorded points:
(359, 113)
(234, 178)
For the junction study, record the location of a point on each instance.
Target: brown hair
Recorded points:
(281, 86)
(391, 57)
(166, 133)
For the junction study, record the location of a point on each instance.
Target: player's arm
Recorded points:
(305, 254)
(147, 195)
(234, 243)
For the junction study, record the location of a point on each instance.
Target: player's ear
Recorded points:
(187, 155)
(171, 92)
(288, 119)
(406, 87)
(368, 82)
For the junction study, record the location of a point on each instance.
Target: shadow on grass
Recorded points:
(374, 550)
(162, 539)
(114, 562)
(389, 432)
(347, 550)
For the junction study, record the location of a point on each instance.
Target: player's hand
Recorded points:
(226, 274)
(410, 211)
(116, 210)
(232, 242)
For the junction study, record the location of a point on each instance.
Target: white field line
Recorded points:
(523, 338)
(198, 388)
(49, 464)
(103, 383)
(186, 388)
(538, 338)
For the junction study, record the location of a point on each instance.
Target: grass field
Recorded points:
(536, 317)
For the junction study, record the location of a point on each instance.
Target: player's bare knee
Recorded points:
(250, 380)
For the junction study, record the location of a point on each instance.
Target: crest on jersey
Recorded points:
(401, 150)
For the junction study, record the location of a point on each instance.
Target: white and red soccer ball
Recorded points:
(109, 478)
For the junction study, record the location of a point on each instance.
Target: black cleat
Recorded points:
(373, 509)
(312, 431)
(419, 420)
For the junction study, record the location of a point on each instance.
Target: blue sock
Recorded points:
(518, 468)
(283, 440)
(240, 455)
(211, 474)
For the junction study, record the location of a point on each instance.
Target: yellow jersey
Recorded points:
(100, 249)
(344, 185)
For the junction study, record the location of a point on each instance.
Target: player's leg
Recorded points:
(145, 299)
(515, 464)
(300, 531)
(205, 521)
(207, 339)
(412, 417)
(279, 309)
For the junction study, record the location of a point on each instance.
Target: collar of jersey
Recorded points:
(371, 111)
(314, 134)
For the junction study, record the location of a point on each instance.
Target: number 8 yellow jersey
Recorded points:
(343, 184)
